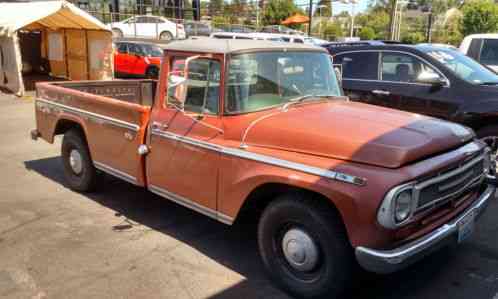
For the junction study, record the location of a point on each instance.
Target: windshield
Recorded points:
(152, 51)
(464, 67)
(262, 80)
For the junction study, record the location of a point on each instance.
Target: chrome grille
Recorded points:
(449, 185)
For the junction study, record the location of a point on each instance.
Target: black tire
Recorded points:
(333, 272)
(117, 33)
(166, 35)
(86, 179)
(152, 72)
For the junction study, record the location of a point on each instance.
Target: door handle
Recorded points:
(159, 126)
(381, 92)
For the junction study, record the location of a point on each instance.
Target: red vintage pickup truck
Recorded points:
(236, 127)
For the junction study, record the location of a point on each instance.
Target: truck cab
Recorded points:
(257, 129)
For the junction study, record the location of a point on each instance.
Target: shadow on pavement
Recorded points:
(231, 246)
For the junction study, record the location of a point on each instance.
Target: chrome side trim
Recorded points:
(191, 204)
(342, 177)
(117, 173)
(81, 112)
(388, 261)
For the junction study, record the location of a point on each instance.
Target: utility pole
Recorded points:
(429, 27)
(392, 21)
(310, 15)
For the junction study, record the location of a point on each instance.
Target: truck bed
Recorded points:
(113, 115)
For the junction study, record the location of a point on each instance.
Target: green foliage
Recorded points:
(377, 20)
(278, 10)
(219, 21)
(215, 7)
(479, 16)
(366, 33)
(413, 38)
(323, 9)
(332, 31)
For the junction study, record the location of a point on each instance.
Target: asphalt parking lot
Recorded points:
(124, 242)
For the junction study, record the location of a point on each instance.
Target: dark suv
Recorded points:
(426, 79)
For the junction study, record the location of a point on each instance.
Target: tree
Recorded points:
(324, 9)
(479, 16)
(413, 38)
(366, 33)
(278, 10)
(332, 31)
(215, 7)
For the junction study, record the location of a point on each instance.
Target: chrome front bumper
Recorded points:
(388, 261)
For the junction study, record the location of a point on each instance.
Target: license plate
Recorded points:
(466, 227)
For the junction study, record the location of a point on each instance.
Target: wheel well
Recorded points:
(65, 125)
(260, 197)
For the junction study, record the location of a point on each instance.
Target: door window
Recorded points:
(489, 53)
(135, 49)
(142, 20)
(475, 48)
(399, 67)
(359, 65)
(122, 48)
(202, 85)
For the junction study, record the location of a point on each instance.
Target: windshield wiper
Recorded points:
(302, 98)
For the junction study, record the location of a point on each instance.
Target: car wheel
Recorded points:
(152, 72)
(304, 247)
(78, 167)
(117, 33)
(489, 135)
(166, 35)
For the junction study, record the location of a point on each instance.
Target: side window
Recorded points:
(359, 65)
(298, 40)
(135, 49)
(141, 20)
(489, 53)
(399, 67)
(122, 48)
(475, 48)
(202, 85)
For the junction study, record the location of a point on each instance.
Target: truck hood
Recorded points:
(356, 132)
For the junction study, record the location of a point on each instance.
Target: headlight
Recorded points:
(396, 208)
(403, 205)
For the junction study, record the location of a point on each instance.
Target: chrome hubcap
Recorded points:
(75, 161)
(300, 250)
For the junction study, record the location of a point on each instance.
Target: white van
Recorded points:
(483, 48)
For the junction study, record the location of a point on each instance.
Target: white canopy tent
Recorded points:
(69, 42)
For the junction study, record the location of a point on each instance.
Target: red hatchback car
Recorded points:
(137, 59)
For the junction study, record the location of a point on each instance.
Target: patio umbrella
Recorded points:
(295, 19)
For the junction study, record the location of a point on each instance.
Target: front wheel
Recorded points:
(304, 247)
(152, 72)
(79, 171)
(166, 35)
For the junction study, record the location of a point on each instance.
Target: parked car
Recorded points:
(148, 27)
(315, 41)
(260, 129)
(230, 35)
(424, 79)
(197, 28)
(236, 28)
(483, 48)
(280, 29)
(137, 59)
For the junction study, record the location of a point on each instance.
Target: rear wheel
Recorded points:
(304, 247)
(166, 35)
(78, 167)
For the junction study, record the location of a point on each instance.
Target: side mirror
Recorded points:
(431, 78)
